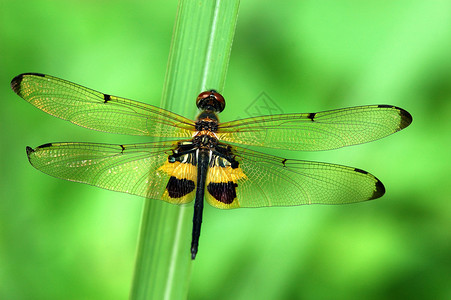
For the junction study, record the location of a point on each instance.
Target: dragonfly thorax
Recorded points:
(206, 124)
(205, 140)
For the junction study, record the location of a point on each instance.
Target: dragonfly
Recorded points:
(204, 158)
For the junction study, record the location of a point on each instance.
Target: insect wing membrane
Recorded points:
(139, 169)
(266, 180)
(95, 110)
(317, 131)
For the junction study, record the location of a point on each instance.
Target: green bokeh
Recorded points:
(62, 240)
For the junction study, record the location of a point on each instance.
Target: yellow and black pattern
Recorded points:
(134, 169)
(181, 185)
(222, 183)
(276, 181)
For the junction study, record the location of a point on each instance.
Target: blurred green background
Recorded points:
(62, 240)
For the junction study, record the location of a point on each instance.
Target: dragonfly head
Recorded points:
(210, 100)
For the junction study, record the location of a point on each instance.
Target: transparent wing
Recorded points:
(274, 181)
(95, 110)
(317, 131)
(135, 169)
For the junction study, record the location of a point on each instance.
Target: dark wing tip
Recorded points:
(406, 118)
(379, 190)
(45, 145)
(16, 83)
(29, 152)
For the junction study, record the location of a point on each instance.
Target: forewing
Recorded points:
(98, 111)
(274, 181)
(139, 169)
(317, 131)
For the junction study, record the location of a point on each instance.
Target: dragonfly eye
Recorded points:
(210, 100)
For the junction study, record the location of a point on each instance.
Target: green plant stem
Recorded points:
(198, 61)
